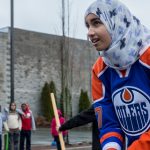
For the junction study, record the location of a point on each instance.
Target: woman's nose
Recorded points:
(91, 32)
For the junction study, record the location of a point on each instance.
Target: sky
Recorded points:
(45, 15)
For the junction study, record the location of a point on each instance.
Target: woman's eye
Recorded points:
(97, 22)
(87, 25)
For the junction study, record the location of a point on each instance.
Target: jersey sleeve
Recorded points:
(111, 135)
(145, 58)
(84, 117)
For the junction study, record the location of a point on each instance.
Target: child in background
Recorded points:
(2, 119)
(54, 130)
(13, 126)
(28, 124)
(120, 76)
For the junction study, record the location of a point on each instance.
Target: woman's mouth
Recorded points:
(95, 41)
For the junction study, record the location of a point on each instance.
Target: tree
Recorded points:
(84, 101)
(46, 104)
(66, 107)
(66, 72)
(52, 89)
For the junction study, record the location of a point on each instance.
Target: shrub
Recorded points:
(84, 101)
(53, 89)
(46, 103)
(66, 104)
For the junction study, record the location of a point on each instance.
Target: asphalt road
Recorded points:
(85, 147)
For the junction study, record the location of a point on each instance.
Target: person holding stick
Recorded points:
(84, 117)
(120, 76)
(54, 131)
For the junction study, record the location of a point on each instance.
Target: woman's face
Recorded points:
(13, 106)
(23, 106)
(97, 32)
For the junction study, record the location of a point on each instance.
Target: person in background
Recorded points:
(120, 76)
(85, 117)
(2, 119)
(28, 124)
(54, 131)
(13, 126)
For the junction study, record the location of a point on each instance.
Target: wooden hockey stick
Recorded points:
(57, 121)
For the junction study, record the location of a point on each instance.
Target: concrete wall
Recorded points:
(4, 67)
(37, 60)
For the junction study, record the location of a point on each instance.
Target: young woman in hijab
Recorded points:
(120, 76)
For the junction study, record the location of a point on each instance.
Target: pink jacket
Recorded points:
(53, 125)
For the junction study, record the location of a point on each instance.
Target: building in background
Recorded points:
(37, 59)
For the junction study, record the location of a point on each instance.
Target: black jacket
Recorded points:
(86, 116)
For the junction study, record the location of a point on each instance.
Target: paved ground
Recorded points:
(77, 147)
(43, 137)
(78, 139)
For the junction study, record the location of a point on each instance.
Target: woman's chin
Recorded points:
(99, 49)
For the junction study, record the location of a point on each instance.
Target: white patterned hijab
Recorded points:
(129, 37)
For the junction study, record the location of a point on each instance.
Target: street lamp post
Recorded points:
(12, 50)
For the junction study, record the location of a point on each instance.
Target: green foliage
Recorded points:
(66, 104)
(62, 103)
(84, 101)
(46, 103)
(53, 89)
